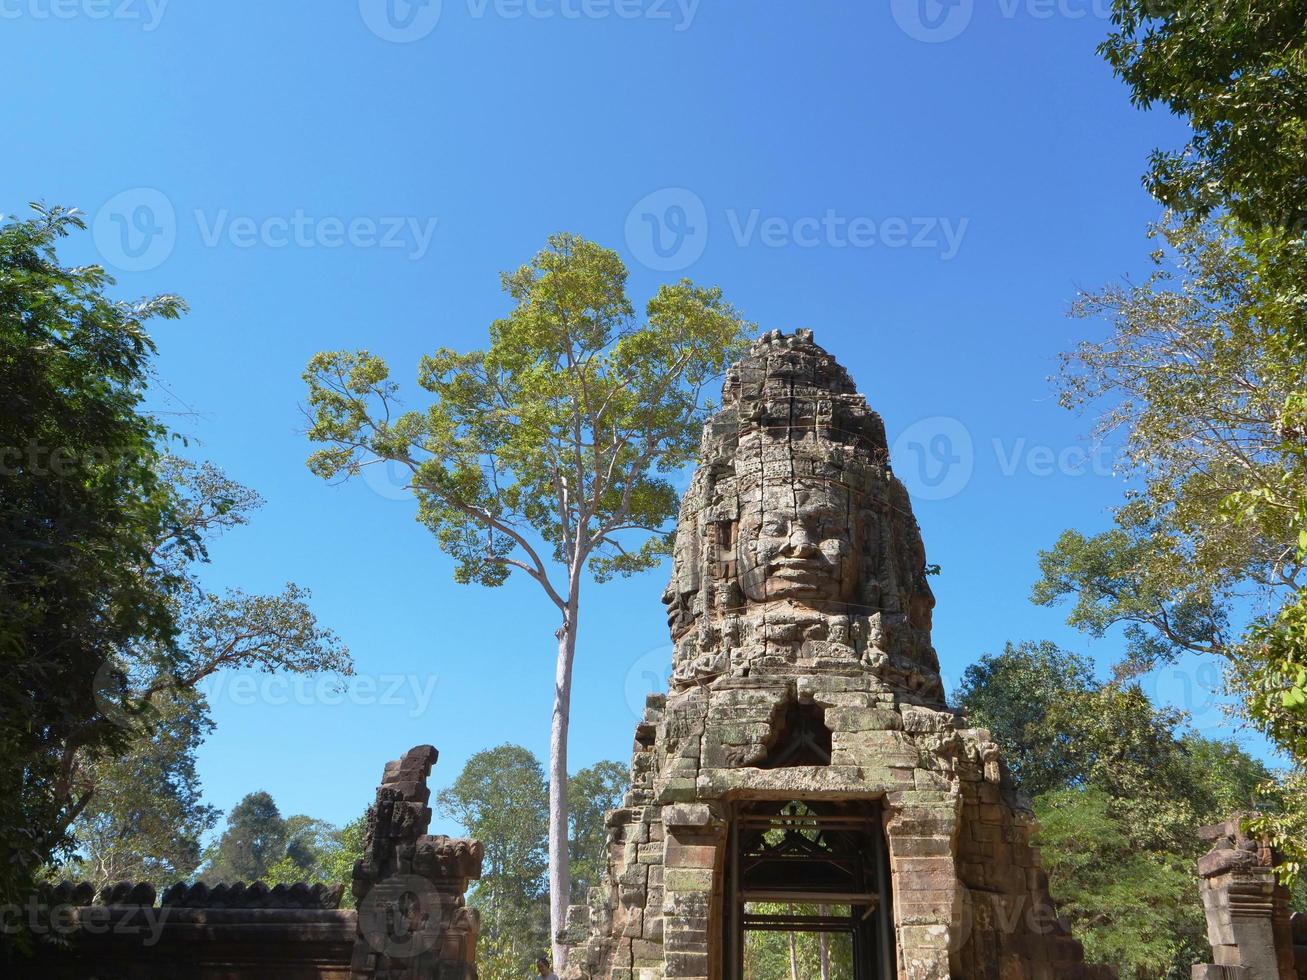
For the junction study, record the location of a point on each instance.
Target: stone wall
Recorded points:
(410, 922)
(223, 933)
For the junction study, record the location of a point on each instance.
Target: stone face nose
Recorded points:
(801, 543)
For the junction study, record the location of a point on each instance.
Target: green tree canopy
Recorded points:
(501, 799)
(1120, 787)
(1011, 694)
(595, 791)
(254, 840)
(1207, 553)
(1236, 70)
(105, 627)
(81, 508)
(146, 818)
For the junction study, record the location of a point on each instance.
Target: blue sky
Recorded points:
(924, 186)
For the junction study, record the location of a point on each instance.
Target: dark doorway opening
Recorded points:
(808, 881)
(802, 738)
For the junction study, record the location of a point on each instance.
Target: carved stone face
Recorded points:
(798, 543)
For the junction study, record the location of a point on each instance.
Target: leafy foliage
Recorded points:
(1133, 909)
(81, 506)
(1119, 787)
(261, 845)
(1206, 555)
(1185, 377)
(104, 626)
(594, 791)
(1012, 694)
(501, 799)
(561, 431)
(147, 818)
(1237, 72)
(797, 955)
(254, 841)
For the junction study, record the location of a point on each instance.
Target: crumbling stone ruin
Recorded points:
(1249, 926)
(804, 756)
(410, 923)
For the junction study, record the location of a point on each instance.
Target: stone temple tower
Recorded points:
(803, 774)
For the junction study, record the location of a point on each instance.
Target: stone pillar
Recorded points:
(1247, 909)
(693, 866)
(412, 924)
(928, 918)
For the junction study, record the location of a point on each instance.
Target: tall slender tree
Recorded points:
(548, 452)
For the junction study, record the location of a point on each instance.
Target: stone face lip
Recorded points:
(804, 678)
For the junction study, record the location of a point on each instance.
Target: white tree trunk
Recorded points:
(560, 871)
(794, 956)
(824, 941)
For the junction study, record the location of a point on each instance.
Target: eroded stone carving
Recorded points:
(796, 548)
(803, 671)
(412, 924)
(1248, 921)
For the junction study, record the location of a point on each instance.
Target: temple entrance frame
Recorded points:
(816, 852)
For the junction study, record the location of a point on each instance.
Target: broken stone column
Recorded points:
(1247, 908)
(412, 923)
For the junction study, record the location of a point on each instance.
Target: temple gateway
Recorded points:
(804, 774)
